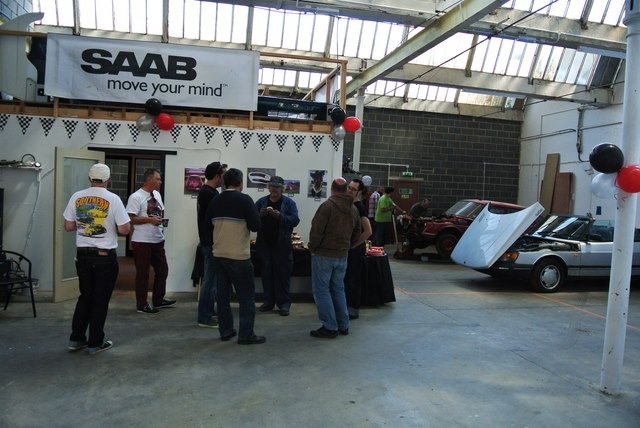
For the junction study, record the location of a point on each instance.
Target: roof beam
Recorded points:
(452, 22)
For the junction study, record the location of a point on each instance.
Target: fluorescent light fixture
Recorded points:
(603, 52)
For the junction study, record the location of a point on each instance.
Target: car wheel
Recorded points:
(445, 244)
(548, 276)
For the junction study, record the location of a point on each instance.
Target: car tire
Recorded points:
(548, 276)
(445, 243)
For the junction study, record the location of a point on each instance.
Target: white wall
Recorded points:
(28, 212)
(554, 127)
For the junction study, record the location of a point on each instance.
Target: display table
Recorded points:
(377, 282)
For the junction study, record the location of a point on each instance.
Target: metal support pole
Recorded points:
(619, 283)
(357, 137)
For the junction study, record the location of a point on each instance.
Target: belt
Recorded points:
(93, 251)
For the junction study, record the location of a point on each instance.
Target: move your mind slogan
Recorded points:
(113, 70)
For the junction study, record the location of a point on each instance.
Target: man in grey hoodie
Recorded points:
(335, 228)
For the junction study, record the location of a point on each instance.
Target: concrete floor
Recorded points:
(457, 349)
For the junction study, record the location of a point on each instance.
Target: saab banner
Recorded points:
(90, 68)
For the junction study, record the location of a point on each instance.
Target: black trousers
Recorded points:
(353, 276)
(97, 276)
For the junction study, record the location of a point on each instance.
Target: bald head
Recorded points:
(339, 185)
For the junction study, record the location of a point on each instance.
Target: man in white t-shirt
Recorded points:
(146, 211)
(97, 216)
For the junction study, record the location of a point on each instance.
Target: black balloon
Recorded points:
(153, 106)
(606, 158)
(337, 115)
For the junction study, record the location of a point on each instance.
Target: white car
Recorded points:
(562, 247)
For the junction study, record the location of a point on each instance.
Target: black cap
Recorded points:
(213, 169)
(276, 181)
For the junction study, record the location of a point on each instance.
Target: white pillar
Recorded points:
(357, 137)
(615, 328)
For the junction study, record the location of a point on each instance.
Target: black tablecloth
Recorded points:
(377, 282)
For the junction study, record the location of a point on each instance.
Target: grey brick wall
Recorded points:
(9, 9)
(457, 156)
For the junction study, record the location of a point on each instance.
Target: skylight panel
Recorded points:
(87, 14)
(559, 8)
(319, 33)
(515, 59)
(240, 21)
(527, 60)
(613, 15)
(504, 56)
(575, 8)
(260, 26)
(491, 57)
(104, 16)
(292, 30)
(598, 11)
(584, 77)
(176, 18)
(575, 67)
(563, 69)
(275, 28)
(541, 63)
(381, 41)
(192, 19)
(208, 25)
(353, 35)
(367, 35)
(154, 17)
(450, 53)
(553, 63)
(304, 38)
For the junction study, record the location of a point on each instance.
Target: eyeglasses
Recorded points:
(353, 189)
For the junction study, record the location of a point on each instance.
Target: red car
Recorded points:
(444, 231)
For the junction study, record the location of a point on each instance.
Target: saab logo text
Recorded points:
(99, 61)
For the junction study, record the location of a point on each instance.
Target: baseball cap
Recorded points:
(276, 181)
(99, 171)
(213, 169)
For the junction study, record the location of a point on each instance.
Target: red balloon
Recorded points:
(351, 124)
(165, 121)
(628, 178)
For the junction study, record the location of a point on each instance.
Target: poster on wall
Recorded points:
(258, 178)
(291, 187)
(317, 184)
(193, 179)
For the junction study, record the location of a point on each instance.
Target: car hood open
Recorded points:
(490, 235)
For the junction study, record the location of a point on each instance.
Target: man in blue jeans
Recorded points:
(234, 216)
(206, 304)
(335, 229)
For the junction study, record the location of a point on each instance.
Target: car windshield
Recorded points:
(468, 209)
(564, 227)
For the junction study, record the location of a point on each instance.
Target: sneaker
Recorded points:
(148, 309)
(106, 345)
(166, 303)
(228, 335)
(283, 312)
(76, 345)
(324, 333)
(265, 307)
(213, 323)
(252, 340)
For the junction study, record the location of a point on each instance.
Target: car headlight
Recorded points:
(509, 256)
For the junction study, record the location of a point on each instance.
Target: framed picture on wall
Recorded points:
(258, 178)
(292, 187)
(317, 184)
(193, 179)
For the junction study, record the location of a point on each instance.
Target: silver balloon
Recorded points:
(145, 122)
(338, 132)
(604, 185)
(366, 180)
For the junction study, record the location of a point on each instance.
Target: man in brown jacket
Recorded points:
(335, 228)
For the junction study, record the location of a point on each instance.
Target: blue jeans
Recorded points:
(97, 276)
(327, 283)
(240, 274)
(206, 304)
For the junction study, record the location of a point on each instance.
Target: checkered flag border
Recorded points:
(194, 131)
(175, 133)
(47, 124)
(155, 133)
(317, 141)
(298, 141)
(228, 134)
(246, 138)
(134, 131)
(209, 132)
(336, 144)
(263, 139)
(25, 122)
(4, 118)
(70, 127)
(281, 140)
(92, 129)
(113, 128)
